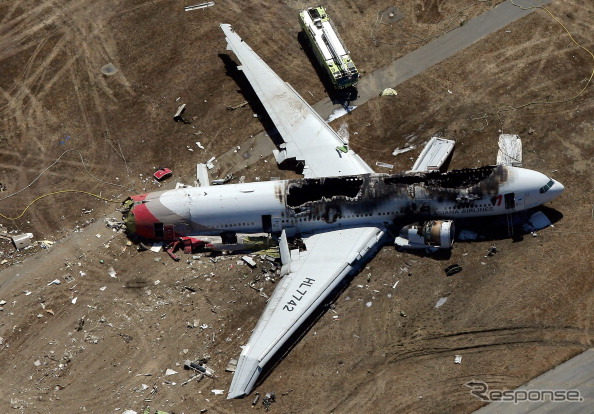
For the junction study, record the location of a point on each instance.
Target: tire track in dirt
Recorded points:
(434, 345)
(82, 39)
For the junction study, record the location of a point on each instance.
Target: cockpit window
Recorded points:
(546, 187)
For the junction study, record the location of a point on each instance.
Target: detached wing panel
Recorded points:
(312, 275)
(308, 138)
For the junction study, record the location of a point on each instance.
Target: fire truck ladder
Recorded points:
(335, 57)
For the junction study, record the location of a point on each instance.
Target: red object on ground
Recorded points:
(163, 173)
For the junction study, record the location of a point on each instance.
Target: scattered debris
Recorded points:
(403, 314)
(395, 284)
(218, 392)
(224, 180)
(492, 250)
(199, 368)
(453, 269)
(268, 399)
(45, 244)
(169, 372)
(54, 282)
(111, 272)
(457, 359)
(368, 304)
(162, 173)
(440, 302)
(209, 163)
(199, 145)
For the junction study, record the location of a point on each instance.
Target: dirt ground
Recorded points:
(102, 344)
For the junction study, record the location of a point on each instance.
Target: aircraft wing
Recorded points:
(307, 137)
(310, 276)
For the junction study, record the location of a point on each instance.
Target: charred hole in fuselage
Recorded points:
(463, 178)
(311, 190)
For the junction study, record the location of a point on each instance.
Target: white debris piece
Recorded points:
(22, 240)
(510, 150)
(54, 282)
(389, 92)
(218, 392)
(434, 155)
(368, 304)
(156, 247)
(458, 359)
(199, 145)
(440, 302)
(383, 164)
(74, 300)
(111, 272)
(170, 371)
(202, 175)
(403, 150)
(209, 163)
(231, 366)
(199, 6)
(249, 261)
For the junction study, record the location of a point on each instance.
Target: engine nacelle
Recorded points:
(437, 234)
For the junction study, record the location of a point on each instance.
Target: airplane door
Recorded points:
(267, 223)
(510, 201)
(519, 201)
(169, 233)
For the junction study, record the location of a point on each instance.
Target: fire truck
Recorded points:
(328, 47)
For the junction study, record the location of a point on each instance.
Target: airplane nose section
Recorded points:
(556, 189)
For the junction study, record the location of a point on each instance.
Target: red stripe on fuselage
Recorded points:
(143, 218)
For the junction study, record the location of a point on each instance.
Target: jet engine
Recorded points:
(437, 234)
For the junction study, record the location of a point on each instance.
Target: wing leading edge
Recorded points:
(311, 275)
(308, 138)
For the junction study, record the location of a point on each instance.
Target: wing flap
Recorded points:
(307, 137)
(313, 275)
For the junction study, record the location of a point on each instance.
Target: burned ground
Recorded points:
(511, 316)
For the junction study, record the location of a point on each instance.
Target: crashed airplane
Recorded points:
(341, 211)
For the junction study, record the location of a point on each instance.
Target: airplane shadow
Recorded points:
(341, 97)
(248, 93)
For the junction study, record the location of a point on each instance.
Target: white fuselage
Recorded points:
(327, 203)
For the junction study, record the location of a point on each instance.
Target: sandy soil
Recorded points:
(511, 316)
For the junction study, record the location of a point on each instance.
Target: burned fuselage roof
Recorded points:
(477, 181)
